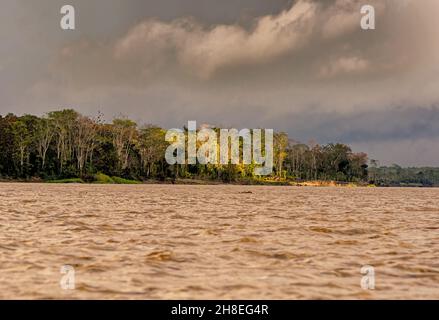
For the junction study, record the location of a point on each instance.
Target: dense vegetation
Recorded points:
(66, 146)
(398, 176)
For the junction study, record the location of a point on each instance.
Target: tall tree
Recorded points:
(45, 131)
(64, 122)
(280, 151)
(151, 145)
(84, 138)
(22, 131)
(124, 134)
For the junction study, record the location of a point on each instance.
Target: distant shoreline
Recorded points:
(286, 183)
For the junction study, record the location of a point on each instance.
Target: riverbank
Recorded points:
(104, 179)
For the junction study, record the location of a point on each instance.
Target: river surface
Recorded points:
(217, 242)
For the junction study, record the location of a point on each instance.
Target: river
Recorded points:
(217, 242)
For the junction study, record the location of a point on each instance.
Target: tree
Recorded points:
(297, 158)
(23, 139)
(84, 138)
(373, 173)
(124, 133)
(67, 144)
(358, 166)
(45, 131)
(280, 151)
(64, 122)
(7, 146)
(151, 146)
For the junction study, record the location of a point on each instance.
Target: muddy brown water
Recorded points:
(217, 242)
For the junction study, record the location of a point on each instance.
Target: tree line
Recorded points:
(65, 144)
(398, 176)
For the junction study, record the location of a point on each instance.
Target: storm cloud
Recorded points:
(304, 67)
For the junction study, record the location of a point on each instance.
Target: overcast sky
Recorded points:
(304, 67)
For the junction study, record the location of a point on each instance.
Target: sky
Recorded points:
(304, 67)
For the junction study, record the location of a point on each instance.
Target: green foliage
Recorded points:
(70, 180)
(102, 178)
(119, 180)
(405, 177)
(329, 162)
(67, 147)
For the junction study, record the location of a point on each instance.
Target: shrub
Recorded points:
(103, 179)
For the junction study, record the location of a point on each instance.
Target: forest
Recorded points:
(65, 146)
(397, 176)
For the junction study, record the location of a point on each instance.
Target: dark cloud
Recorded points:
(302, 66)
(373, 126)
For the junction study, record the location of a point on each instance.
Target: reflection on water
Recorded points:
(207, 242)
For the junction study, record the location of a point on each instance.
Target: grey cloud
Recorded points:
(390, 124)
(307, 42)
(300, 66)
